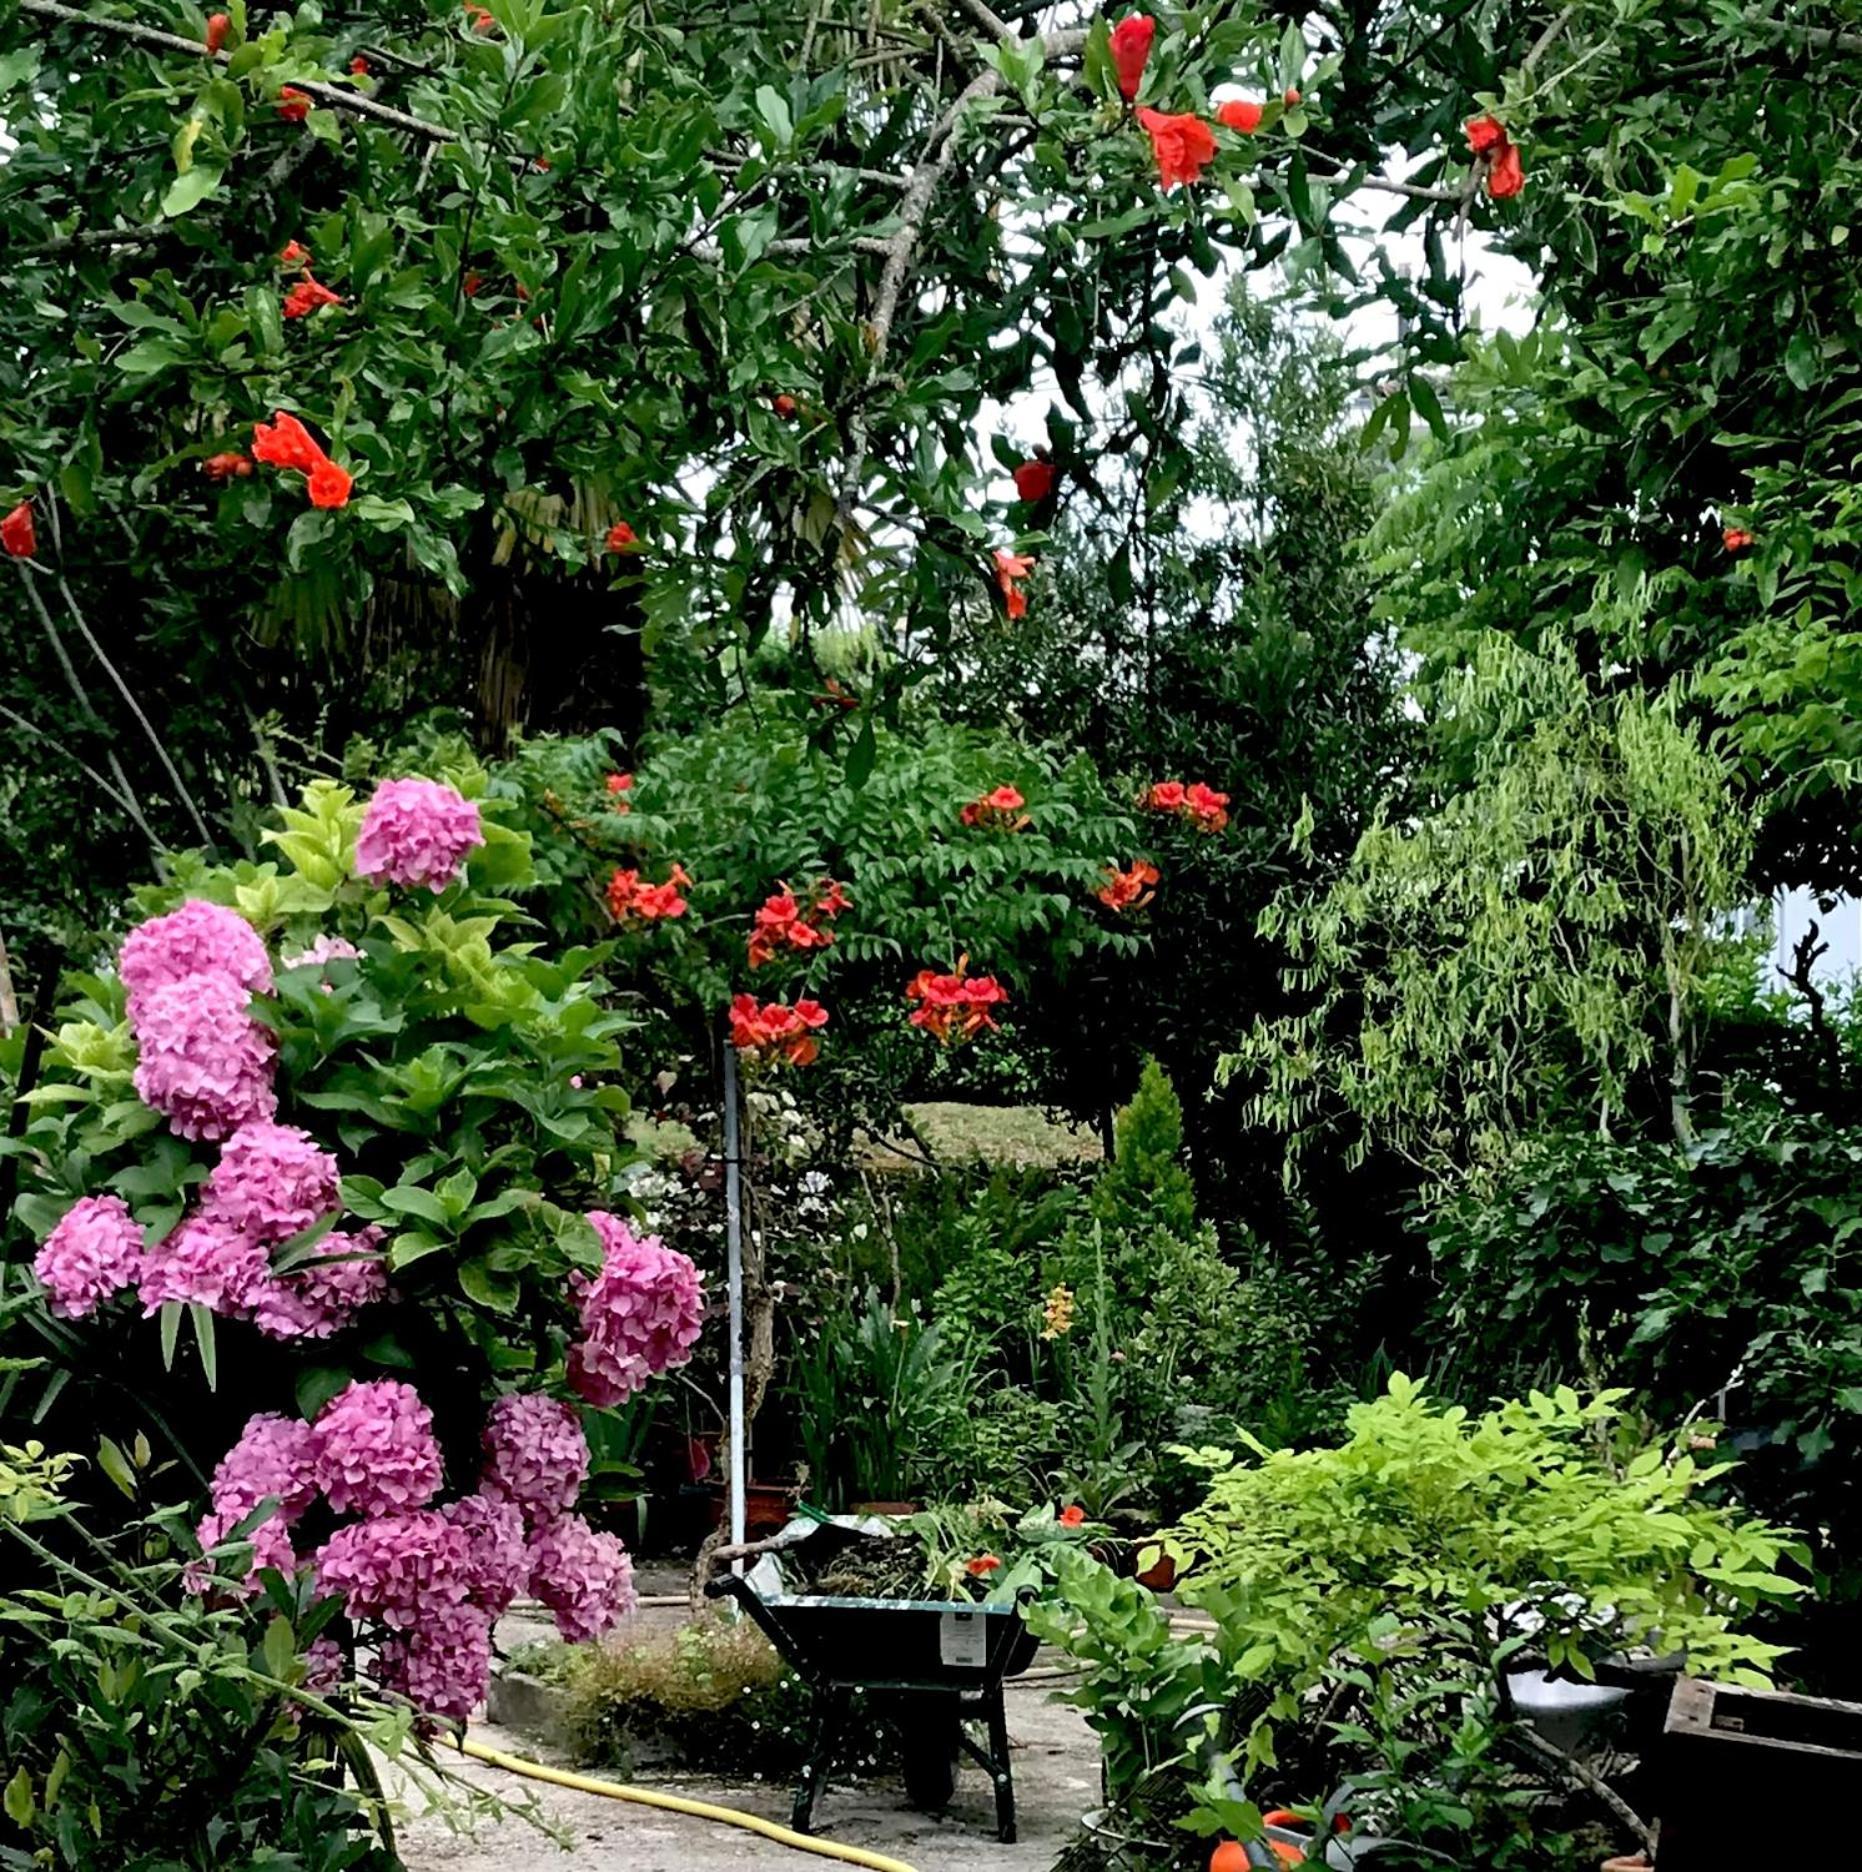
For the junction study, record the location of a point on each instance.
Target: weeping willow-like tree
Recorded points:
(1531, 948)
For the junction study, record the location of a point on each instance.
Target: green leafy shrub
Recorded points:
(1368, 1598)
(146, 1727)
(1720, 1280)
(878, 1393)
(711, 1697)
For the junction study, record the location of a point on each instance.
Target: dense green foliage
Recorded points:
(1521, 659)
(1393, 1581)
(153, 1729)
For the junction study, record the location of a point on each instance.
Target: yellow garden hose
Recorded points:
(677, 1803)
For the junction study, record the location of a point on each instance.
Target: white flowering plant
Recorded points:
(319, 1189)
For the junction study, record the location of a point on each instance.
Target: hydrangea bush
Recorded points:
(326, 1116)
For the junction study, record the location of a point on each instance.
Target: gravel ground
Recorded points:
(1056, 1780)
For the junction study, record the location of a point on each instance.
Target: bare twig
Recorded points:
(1385, 185)
(1805, 954)
(122, 792)
(135, 708)
(77, 760)
(1592, 1783)
(990, 21)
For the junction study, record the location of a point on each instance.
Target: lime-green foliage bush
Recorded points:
(709, 1697)
(1367, 1599)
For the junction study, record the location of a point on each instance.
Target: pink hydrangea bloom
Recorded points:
(498, 1562)
(206, 1063)
(443, 1665)
(585, 1578)
(94, 1252)
(272, 1182)
(536, 1454)
(198, 939)
(322, 1294)
(206, 1263)
(324, 949)
(641, 1314)
(275, 1456)
(399, 1568)
(416, 832)
(375, 1449)
(271, 1547)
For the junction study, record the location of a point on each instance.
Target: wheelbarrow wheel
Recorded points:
(931, 1750)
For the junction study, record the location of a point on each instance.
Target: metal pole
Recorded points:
(733, 1224)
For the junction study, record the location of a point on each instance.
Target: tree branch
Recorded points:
(77, 760)
(123, 791)
(1590, 1781)
(333, 97)
(135, 708)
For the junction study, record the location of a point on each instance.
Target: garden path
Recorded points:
(1056, 1780)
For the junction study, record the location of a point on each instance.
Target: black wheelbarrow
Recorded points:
(926, 1666)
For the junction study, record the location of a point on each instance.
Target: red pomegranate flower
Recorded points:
(1496, 156)
(1010, 568)
(1737, 539)
(1240, 115)
(359, 66)
(328, 485)
(480, 16)
(1131, 42)
(218, 26)
(286, 443)
(1508, 175)
(227, 466)
(1072, 1516)
(1182, 143)
(306, 296)
(17, 536)
(293, 254)
(982, 1566)
(1034, 480)
(621, 783)
(784, 405)
(1290, 96)
(293, 104)
(621, 538)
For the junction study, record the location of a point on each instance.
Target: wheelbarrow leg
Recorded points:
(999, 1759)
(830, 1720)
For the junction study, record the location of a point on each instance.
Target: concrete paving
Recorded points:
(1056, 1767)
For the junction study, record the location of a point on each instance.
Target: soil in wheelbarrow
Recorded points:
(1056, 1780)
